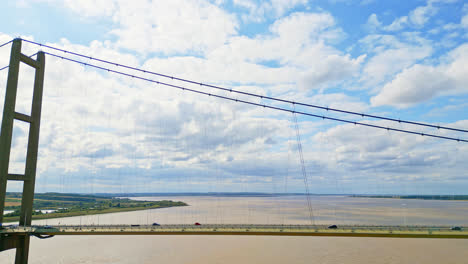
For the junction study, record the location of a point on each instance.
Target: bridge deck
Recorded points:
(270, 230)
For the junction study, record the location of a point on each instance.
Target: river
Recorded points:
(261, 210)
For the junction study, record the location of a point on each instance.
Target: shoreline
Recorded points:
(88, 212)
(417, 197)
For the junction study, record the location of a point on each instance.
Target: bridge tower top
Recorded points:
(21, 243)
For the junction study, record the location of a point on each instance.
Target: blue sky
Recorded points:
(105, 133)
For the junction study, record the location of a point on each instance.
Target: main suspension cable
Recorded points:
(257, 104)
(247, 93)
(6, 43)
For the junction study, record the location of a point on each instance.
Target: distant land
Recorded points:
(419, 197)
(218, 194)
(260, 194)
(55, 205)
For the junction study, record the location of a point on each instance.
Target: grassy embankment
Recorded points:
(67, 205)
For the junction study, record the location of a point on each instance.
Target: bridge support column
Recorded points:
(22, 251)
(8, 241)
(20, 242)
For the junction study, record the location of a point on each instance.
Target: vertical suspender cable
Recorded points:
(304, 172)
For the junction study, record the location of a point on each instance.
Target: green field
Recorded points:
(66, 205)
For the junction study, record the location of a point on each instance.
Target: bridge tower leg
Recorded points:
(21, 242)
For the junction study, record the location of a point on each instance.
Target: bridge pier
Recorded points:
(8, 242)
(20, 242)
(22, 250)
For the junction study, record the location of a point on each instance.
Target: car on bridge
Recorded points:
(156, 224)
(9, 226)
(197, 224)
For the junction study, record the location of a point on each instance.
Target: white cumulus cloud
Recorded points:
(421, 83)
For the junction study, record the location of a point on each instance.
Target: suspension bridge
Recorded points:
(17, 236)
(241, 230)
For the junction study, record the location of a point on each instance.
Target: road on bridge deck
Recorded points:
(262, 230)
